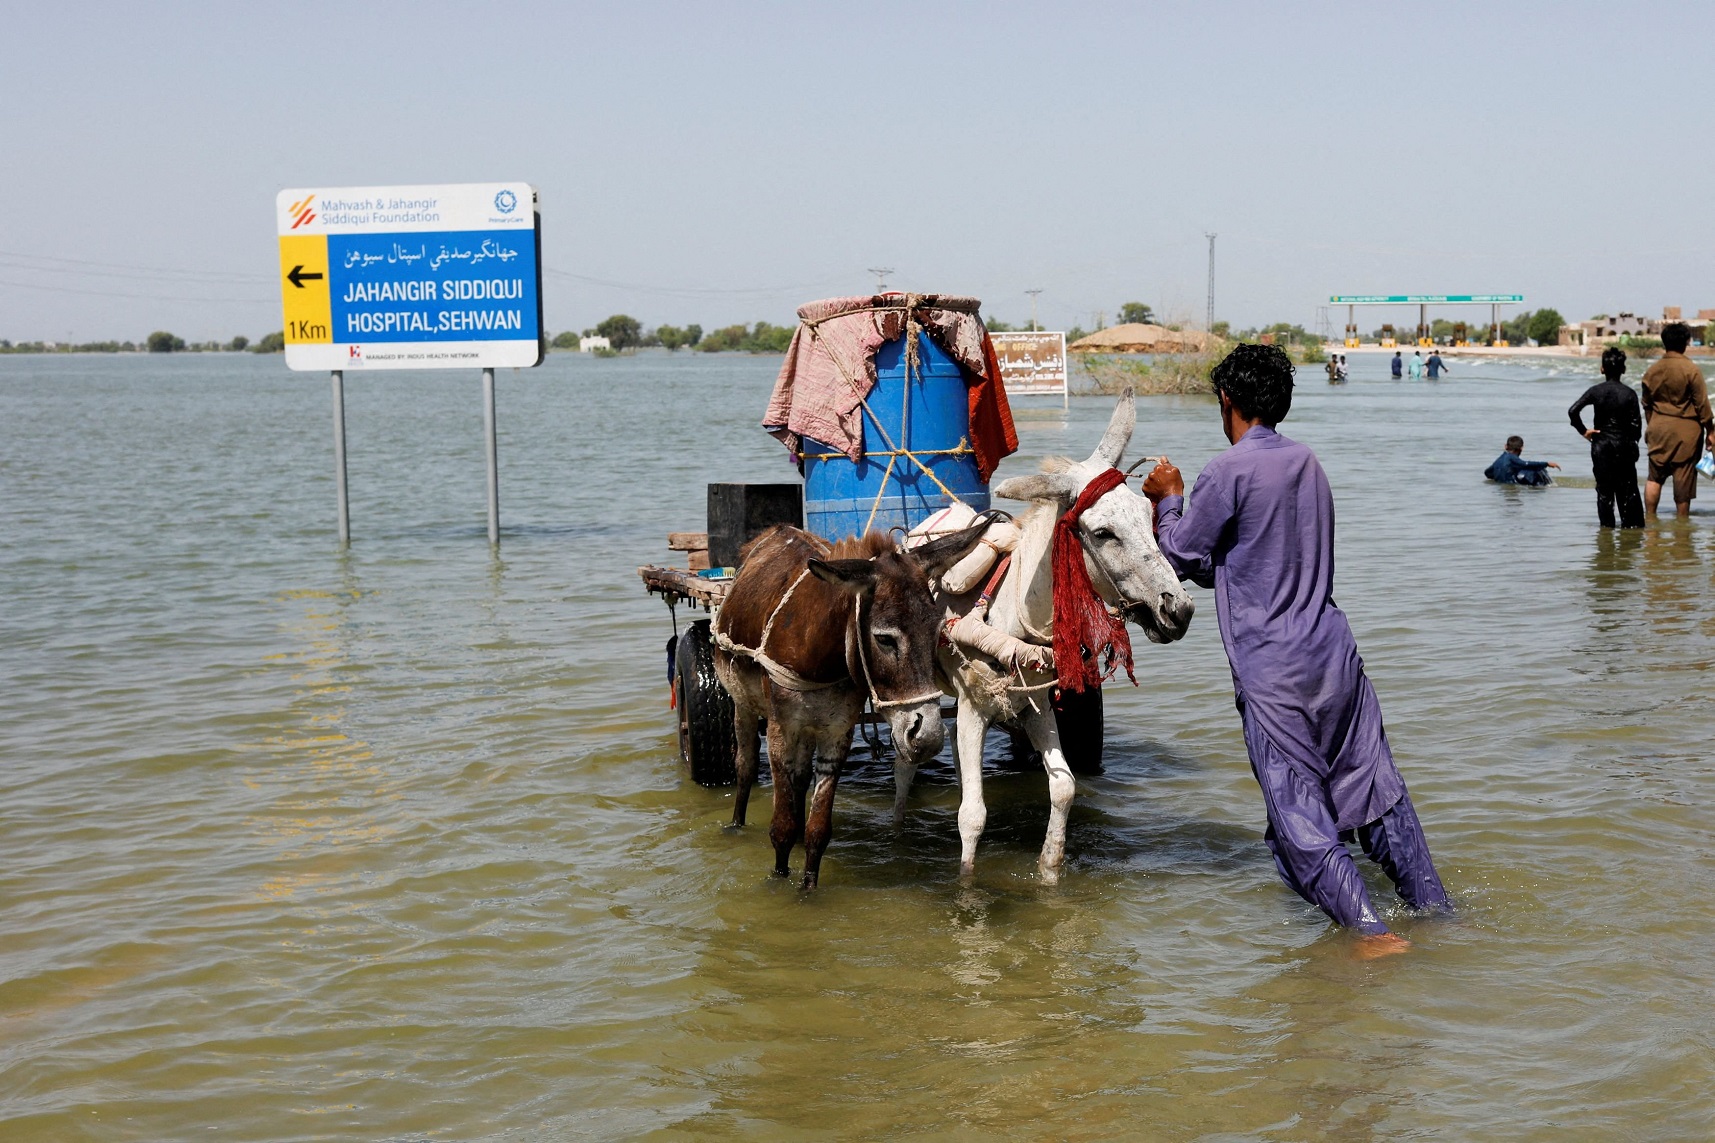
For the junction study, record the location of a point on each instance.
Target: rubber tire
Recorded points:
(1079, 720)
(706, 743)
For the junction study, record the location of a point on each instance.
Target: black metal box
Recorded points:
(738, 513)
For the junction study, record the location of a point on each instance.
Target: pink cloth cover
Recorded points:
(830, 367)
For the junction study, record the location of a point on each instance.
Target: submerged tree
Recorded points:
(622, 331)
(1545, 325)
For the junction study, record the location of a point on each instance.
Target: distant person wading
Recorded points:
(1613, 442)
(1677, 420)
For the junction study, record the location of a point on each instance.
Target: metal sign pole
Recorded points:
(339, 456)
(493, 457)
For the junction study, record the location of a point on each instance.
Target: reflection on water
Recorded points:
(391, 844)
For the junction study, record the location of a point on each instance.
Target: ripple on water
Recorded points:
(392, 844)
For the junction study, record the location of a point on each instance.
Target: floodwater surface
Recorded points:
(392, 844)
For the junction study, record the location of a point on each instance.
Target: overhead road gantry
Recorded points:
(1423, 302)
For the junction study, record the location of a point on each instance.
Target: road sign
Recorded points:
(1426, 299)
(1031, 362)
(416, 277)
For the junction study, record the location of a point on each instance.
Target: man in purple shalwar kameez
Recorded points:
(1260, 531)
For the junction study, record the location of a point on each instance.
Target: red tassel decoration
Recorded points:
(1082, 624)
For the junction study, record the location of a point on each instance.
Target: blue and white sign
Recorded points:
(410, 277)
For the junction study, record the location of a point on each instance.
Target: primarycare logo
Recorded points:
(302, 212)
(505, 202)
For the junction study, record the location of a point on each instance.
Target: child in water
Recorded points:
(1511, 468)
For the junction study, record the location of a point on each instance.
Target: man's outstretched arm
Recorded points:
(1189, 539)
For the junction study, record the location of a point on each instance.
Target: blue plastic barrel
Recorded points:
(929, 414)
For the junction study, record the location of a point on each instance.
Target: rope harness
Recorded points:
(783, 676)
(1003, 691)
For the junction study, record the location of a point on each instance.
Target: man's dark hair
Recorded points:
(1257, 379)
(1614, 360)
(1515, 443)
(1675, 336)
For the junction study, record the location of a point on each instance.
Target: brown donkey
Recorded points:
(807, 634)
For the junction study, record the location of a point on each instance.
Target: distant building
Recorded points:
(591, 344)
(1601, 331)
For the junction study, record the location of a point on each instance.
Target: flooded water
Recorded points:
(392, 844)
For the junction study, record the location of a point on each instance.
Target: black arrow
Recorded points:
(297, 277)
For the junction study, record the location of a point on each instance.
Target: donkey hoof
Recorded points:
(732, 827)
(809, 881)
(779, 872)
(1049, 876)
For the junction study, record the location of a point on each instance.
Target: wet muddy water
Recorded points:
(393, 845)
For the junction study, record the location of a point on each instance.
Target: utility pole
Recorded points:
(881, 273)
(1033, 294)
(1210, 326)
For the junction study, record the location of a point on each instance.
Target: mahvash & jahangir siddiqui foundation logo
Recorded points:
(303, 211)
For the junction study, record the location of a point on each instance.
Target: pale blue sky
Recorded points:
(721, 163)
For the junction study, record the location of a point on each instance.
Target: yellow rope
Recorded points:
(876, 507)
(963, 449)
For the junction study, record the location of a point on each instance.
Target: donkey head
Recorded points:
(898, 625)
(1125, 563)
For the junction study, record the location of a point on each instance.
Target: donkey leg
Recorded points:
(819, 827)
(1045, 736)
(973, 813)
(788, 823)
(747, 727)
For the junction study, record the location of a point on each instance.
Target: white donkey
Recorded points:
(1012, 682)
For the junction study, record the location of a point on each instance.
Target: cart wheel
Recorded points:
(705, 710)
(1078, 716)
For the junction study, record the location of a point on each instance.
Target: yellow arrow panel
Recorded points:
(304, 288)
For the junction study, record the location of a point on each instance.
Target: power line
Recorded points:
(121, 269)
(143, 297)
(692, 291)
(1033, 294)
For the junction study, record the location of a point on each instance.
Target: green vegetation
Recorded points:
(622, 331)
(625, 334)
(763, 338)
(271, 343)
(1280, 333)
(1137, 312)
(1164, 373)
(1544, 326)
(54, 347)
(995, 325)
(163, 342)
(672, 337)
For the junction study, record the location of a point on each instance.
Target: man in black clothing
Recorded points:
(1614, 441)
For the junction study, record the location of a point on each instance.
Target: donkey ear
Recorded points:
(940, 554)
(1041, 486)
(855, 576)
(1118, 434)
